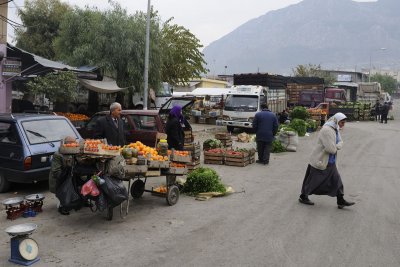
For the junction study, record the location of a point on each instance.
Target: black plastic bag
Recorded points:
(115, 191)
(101, 202)
(68, 196)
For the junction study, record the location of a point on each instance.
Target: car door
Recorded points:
(88, 131)
(144, 129)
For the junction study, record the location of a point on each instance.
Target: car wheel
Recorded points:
(4, 184)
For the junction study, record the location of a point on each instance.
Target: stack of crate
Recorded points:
(225, 138)
(215, 157)
(194, 149)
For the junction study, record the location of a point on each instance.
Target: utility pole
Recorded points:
(5, 91)
(146, 58)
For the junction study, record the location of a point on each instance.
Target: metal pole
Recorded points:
(146, 58)
(370, 66)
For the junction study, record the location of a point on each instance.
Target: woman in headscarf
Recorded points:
(322, 176)
(174, 128)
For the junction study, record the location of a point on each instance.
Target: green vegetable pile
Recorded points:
(299, 126)
(203, 180)
(299, 113)
(277, 147)
(212, 143)
(312, 124)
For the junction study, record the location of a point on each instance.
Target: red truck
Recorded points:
(311, 98)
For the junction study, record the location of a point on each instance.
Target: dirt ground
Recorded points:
(261, 225)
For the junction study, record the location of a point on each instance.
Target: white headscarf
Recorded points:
(334, 120)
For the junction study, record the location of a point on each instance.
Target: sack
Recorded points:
(115, 191)
(67, 194)
(115, 167)
(101, 202)
(289, 140)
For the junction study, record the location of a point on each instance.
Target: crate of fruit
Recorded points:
(70, 148)
(216, 152)
(181, 156)
(236, 154)
(135, 169)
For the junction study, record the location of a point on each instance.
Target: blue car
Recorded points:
(27, 144)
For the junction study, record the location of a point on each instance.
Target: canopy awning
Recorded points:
(106, 86)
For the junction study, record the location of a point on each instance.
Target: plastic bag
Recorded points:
(68, 196)
(101, 202)
(90, 188)
(115, 191)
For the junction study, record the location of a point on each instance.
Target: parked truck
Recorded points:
(311, 98)
(370, 92)
(244, 101)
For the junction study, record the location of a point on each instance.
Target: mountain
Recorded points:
(337, 34)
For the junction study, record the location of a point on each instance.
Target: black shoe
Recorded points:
(266, 162)
(343, 203)
(63, 211)
(305, 200)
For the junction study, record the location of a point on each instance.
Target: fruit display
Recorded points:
(92, 145)
(181, 156)
(161, 189)
(73, 117)
(110, 150)
(70, 148)
(177, 165)
(138, 148)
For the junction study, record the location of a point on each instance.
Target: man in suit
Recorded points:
(111, 126)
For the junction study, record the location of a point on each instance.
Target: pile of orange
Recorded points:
(177, 165)
(73, 144)
(148, 152)
(161, 189)
(181, 153)
(107, 147)
(74, 117)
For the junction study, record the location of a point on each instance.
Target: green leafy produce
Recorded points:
(287, 129)
(277, 147)
(212, 143)
(299, 126)
(299, 113)
(203, 180)
(312, 124)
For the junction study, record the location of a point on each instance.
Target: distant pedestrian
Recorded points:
(377, 108)
(385, 112)
(283, 117)
(322, 176)
(266, 125)
(111, 126)
(174, 128)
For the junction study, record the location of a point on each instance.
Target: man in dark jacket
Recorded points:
(111, 126)
(266, 125)
(385, 112)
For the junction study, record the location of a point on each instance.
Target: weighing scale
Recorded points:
(24, 250)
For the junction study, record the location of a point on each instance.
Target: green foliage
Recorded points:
(181, 56)
(277, 147)
(203, 180)
(299, 113)
(58, 87)
(312, 124)
(299, 126)
(41, 19)
(312, 70)
(388, 83)
(212, 143)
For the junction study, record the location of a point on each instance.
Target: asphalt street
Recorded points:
(263, 224)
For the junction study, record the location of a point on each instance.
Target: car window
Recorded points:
(144, 122)
(91, 125)
(8, 133)
(43, 131)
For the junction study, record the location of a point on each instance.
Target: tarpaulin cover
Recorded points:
(106, 86)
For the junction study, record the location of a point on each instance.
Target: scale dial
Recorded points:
(29, 249)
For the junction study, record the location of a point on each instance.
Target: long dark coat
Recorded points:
(175, 133)
(106, 128)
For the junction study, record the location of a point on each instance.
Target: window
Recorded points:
(8, 133)
(241, 102)
(45, 131)
(144, 122)
(91, 125)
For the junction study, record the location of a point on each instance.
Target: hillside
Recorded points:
(338, 34)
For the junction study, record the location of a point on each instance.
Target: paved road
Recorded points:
(263, 226)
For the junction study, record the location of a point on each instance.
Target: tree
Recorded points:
(41, 20)
(388, 83)
(59, 87)
(181, 57)
(311, 70)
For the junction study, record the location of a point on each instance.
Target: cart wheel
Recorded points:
(172, 195)
(137, 189)
(110, 213)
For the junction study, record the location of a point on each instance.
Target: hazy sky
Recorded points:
(209, 20)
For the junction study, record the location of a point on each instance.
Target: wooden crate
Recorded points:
(153, 173)
(184, 159)
(135, 169)
(237, 164)
(178, 171)
(215, 162)
(222, 136)
(158, 164)
(242, 155)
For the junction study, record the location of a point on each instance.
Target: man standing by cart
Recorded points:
(111, 126)
(265, 124)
